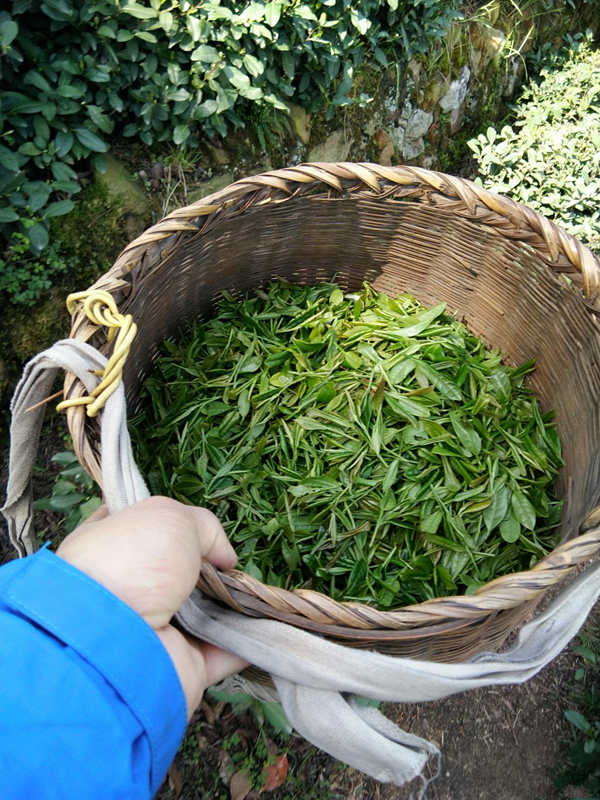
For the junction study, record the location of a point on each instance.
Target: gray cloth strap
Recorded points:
(317, 681)
(122, 481)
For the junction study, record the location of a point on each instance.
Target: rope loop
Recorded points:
(100, 308)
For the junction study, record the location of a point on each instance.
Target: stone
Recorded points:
(215, 184)
(218, 156)
(433, 92)
(413, 148)
(300, 122)
(382, 138)
(334, 148)
(133, 201)
(514, 73)
(375, 123)
(418, 124)
(385, 157)
(457, 92)
(492, 43)
(411, 142)
(397, 135)
(383, 142)
(456, 118)
(415, 69)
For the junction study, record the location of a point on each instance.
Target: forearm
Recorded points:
(91, 703)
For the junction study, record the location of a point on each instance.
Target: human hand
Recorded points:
(149, 556)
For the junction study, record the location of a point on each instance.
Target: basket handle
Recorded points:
(121, 479)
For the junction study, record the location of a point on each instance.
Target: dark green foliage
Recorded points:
(74, 72)
(581, 768)
(74, 494)
(369, 448)
(23, 276)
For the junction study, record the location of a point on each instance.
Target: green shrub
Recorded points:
(580, 767)
(73, 72)
(75, 496)
(549, 158)
(24, 276)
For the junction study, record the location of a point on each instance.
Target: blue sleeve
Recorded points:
(90, 703)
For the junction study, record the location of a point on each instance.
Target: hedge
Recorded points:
(75, 72)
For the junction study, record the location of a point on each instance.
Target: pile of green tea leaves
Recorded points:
(368, 448)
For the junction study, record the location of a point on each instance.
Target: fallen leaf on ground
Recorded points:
(240, 785)
(225, 767)
(275, 774)
(271, 748)
(208, 712)
(175, 782)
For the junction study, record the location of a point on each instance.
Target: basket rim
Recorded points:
(379, 182)
(559, 249)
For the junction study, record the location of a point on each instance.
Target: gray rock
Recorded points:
(397, 135)
(514, 71)
(457, 91)
(157, 171)
(334, 148)
(413, 148)
(408, 135)
(418, 124)
(456, 118)
(415, 68)
(375, 123)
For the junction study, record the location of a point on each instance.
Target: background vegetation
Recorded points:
(548, 157)
(75, 72)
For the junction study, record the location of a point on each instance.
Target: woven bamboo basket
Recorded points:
(515, 278)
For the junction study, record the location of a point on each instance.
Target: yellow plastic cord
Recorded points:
(101, 309)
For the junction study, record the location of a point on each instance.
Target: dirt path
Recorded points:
(501, 743)
(497, 744)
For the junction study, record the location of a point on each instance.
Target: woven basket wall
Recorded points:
(498, 263)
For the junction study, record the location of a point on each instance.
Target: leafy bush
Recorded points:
(24, 276)
(581, 766)
(73, 72)
(549, 158)
(74, 495)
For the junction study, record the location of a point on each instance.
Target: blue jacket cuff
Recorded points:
(111, 637)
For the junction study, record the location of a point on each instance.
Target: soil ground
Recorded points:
(501, 743)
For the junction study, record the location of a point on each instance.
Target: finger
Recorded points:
(214, 545)
(219, 664)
